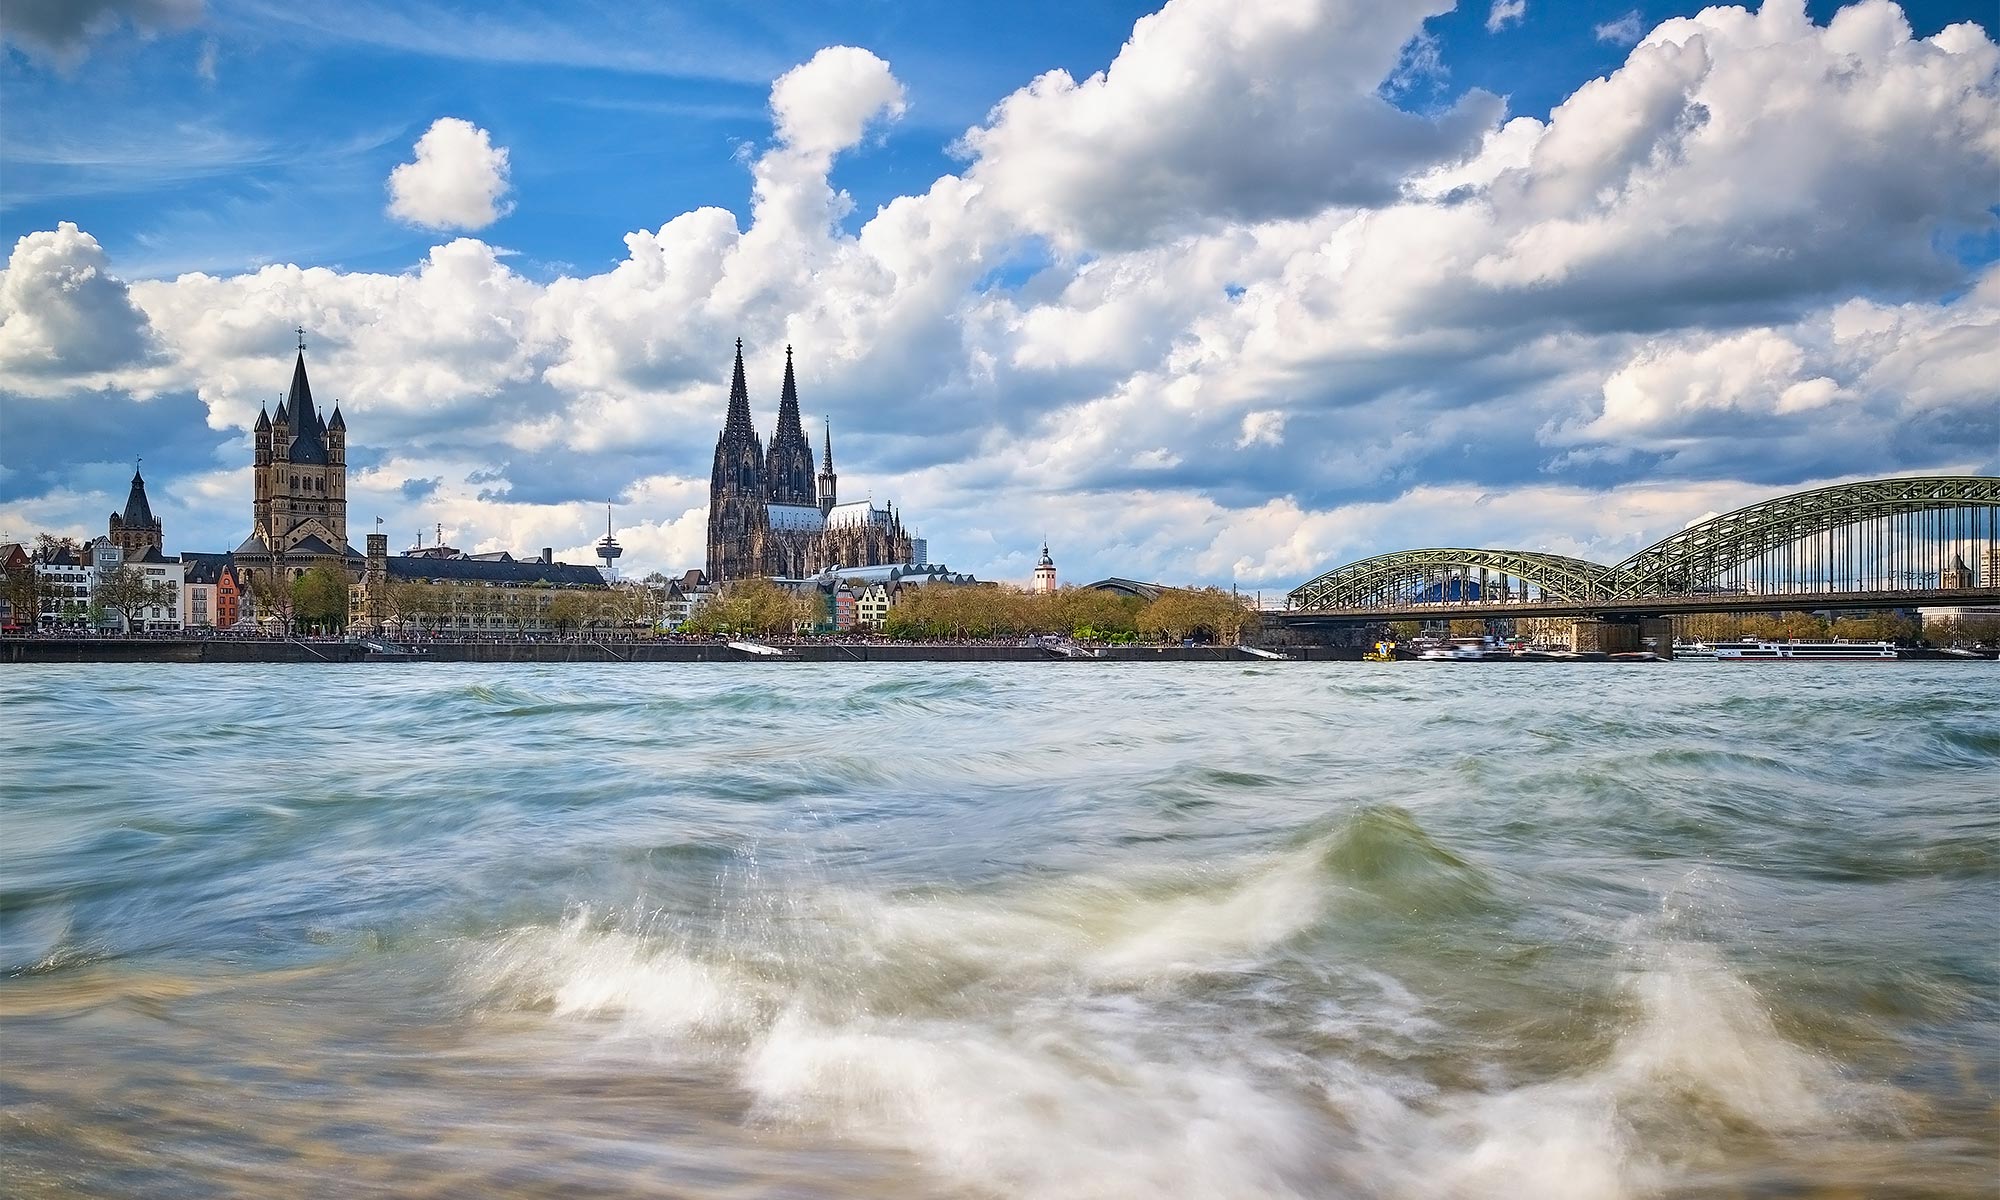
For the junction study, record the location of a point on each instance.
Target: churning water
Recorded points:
(1085, 930)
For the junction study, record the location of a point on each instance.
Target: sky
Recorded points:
(1219, 292)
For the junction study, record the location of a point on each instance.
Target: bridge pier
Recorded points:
(1622, 635)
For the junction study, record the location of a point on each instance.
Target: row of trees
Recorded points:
(940, 611)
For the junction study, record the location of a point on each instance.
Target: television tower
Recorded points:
(609, 550)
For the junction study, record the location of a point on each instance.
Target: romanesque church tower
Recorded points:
(737, 519)
(301, 469)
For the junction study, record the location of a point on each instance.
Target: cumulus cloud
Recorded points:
(1576, 332)
(64, 317)
(1217, 111)
(1505, 13)
(824, 105)
(458, 179)
(62, 30)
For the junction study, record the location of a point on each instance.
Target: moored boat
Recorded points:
(1762, 650)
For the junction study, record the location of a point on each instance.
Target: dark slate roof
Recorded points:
(314, 545)
(253, 545)
(308, 430)
(203, 567)
(476, 570)
(299, 400)
(339, 422)
(137, 512)
(152, 555)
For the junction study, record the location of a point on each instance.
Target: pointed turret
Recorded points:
(263, 420)
(827, 483)
(137, 511)
(339, 422)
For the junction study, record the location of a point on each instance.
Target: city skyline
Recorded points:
(1422, 283)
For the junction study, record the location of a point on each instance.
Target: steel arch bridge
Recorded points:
(1874, 543)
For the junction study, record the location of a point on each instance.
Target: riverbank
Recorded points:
(229, 650)
(223, 650)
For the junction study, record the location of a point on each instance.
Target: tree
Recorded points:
(320, 597)
(568, 610)
(27, 594)
(123, 591)
(272, 596)
(1201, 614)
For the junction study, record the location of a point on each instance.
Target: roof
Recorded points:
(205, 568)
(253, 545)
(137, 512)
(475, 570)
(1129, 587)
(858, 512)
(152, 555)
(796, 516)
(312, 544)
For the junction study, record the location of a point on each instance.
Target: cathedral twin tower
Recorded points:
(770, 513)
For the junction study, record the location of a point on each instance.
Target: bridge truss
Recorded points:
(1879, 538)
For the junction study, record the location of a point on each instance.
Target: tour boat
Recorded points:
(1694, 651)
(1760, 650)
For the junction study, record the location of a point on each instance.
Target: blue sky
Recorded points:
(1171, 331)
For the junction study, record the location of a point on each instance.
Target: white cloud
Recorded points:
(1622, 31)
(824, 105)
(457, 181)
(1505, 13)
(1217, 111)
(1211, 373)
(65, 320)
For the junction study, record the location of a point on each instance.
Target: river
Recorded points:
(1066, 930)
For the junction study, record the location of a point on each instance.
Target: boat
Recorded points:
(1383, 652)
(1468, 649)
(1694, 651)
(1762, 650)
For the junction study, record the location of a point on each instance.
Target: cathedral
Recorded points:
(772, 513)
(299, 515)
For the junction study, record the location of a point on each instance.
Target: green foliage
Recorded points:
(320, 598)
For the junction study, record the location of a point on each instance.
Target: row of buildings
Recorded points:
(773, 513)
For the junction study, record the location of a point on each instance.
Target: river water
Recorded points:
(1066, 930)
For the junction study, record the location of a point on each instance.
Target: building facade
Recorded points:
(298, 515)
(775, 512)
(444, 592)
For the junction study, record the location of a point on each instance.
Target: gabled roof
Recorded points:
(313, 544)
(253, 545)
(152, 555)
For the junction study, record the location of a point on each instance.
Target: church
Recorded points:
(776, 513)
(299, 515)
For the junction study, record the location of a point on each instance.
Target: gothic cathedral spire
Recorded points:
(828, 481)
(738, 521)
(789, 469)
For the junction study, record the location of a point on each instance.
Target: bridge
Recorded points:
(1875, 544)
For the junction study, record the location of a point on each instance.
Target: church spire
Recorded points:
(788, 404)
(826, 485)
(789, 468)
(738, 421)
